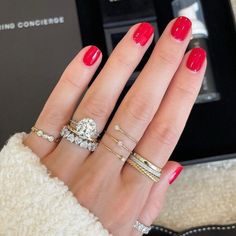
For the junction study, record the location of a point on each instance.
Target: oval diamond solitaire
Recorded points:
(86, 128)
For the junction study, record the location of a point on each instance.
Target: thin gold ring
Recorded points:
(143, 171)
(146, 162)
(119, 142)
(120, 157)
(75, 132)
(42, 134)
(118, 128)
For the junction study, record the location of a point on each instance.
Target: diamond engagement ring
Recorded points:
(142, 228)
(85, 128)
(82, 133)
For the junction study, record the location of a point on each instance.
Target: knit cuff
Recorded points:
(33, 203)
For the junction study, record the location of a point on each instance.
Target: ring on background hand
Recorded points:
(42, 134)
(141, 227)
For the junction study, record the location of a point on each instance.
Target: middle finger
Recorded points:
(102, 95)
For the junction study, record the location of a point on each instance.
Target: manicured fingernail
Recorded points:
(91, 56)
(196, 59)
(143, 33)
(180, 28)
(175, 174)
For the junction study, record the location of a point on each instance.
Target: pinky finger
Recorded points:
(156, 198)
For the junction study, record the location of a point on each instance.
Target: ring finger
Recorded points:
(63, 99)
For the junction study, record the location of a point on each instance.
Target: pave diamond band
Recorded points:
(142, 228)
(42, 134)
(74, 138)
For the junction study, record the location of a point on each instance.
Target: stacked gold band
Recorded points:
(145, 167)
(143, 171)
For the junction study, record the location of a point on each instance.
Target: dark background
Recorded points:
(211, 129)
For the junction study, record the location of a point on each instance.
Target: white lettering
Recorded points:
(9, 26)
(33, 23)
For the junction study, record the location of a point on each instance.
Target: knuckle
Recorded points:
(165, 133)
(168, 57)
(186, 91)
(96, 106)
(90, 189)
(122, 59)
(70, 81)
(53, 117)
(138, 109)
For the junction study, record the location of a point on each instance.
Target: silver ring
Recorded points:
(142, 228)
(74, 138)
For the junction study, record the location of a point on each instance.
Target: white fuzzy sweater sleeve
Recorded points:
(33, 203)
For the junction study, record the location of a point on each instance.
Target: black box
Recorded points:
(210, 133)
(38, 39)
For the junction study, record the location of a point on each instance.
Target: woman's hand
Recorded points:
(153, 112)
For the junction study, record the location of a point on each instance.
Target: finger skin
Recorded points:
(164, 131)
(142, 101)
(99, 101)
(62, 102)
(156, 197)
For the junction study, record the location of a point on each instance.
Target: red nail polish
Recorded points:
(143, 33)
(181, 28)
(175, 174)
(91, 56)
(196, 59)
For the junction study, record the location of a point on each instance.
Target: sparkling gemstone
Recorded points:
(120, 143)
(84, 144)
(40, 133)
(93, 146)
(89, 146)
(63, 131)
(45, 136)
(50, 138)
(86, 128)
(66, 133)
(78, 140)
(117, 127)
(71, 138)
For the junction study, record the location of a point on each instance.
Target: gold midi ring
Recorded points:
(120, 157)
(118, 142)
(42, 134)
(118, 128)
